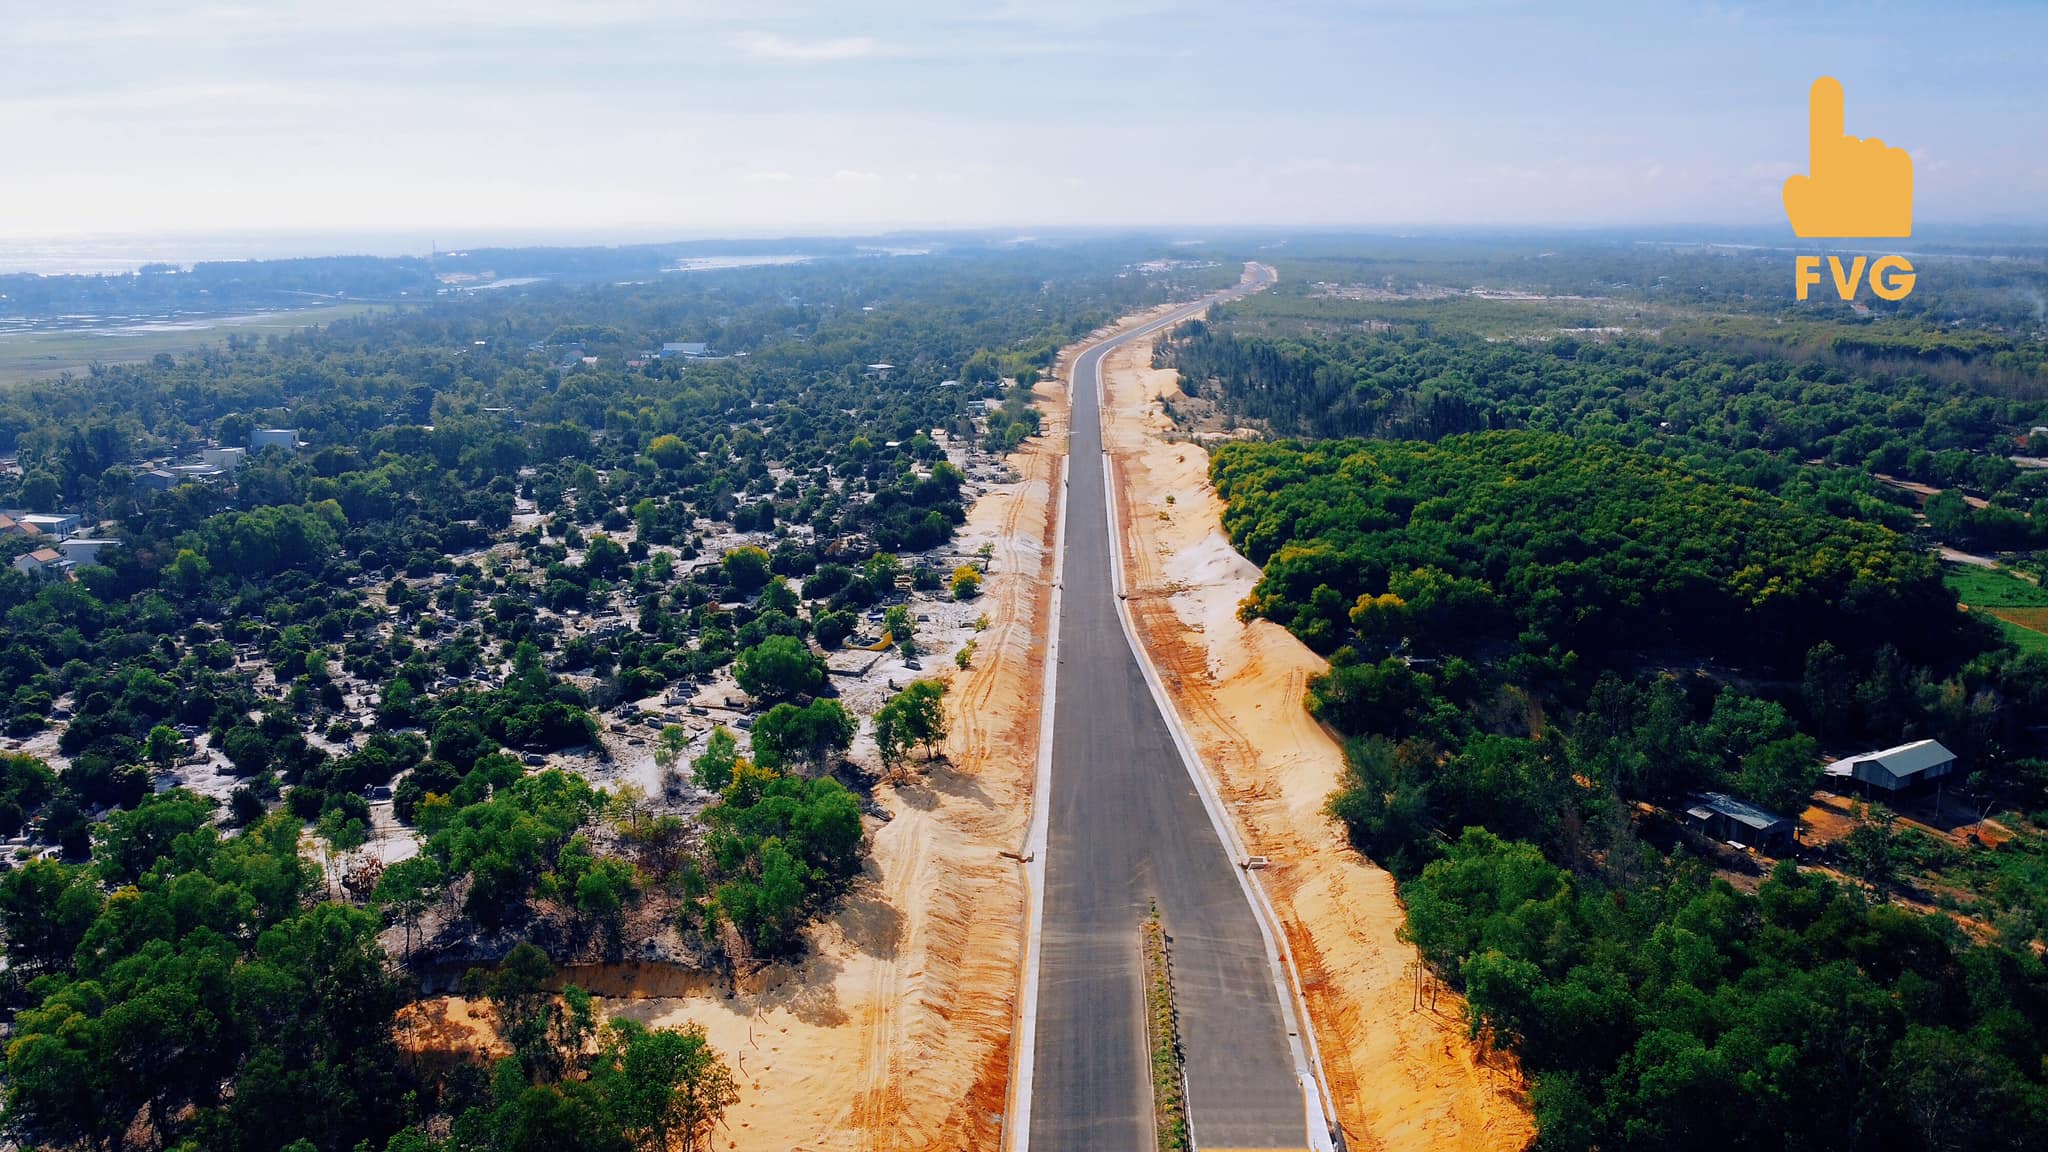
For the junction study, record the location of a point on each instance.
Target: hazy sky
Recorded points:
(463, 119)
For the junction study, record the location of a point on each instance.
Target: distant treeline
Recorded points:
(1996, 286)
(240, 285)
(213, 287)
(1738, 408)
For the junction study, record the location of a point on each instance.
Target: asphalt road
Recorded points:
(1126, 827)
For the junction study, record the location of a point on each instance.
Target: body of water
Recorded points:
(104, 255)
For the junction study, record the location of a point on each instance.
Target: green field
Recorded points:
(2020, 606)
(1298, 307)
(38, 355)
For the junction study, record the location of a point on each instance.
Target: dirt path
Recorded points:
(1921, 492)
(1401, 1078)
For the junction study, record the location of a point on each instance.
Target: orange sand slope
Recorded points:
(1401, 1077)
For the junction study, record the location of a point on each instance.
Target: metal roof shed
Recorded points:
(1897, 768)
(1723, 817)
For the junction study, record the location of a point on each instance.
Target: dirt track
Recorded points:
(1402, 1078)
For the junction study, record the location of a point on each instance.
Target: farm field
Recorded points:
(2020, 605)
(36, 355)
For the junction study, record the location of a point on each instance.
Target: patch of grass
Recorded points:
(1290, 311)
(2027, 637)
(2020, 606)
(41, 355)
(1169, 1103)
(2012, 880)
(1981, 587)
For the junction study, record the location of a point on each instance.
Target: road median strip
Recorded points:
(1162, 1030)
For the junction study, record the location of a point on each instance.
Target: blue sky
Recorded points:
(475, 119)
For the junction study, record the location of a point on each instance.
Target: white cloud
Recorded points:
(856, 176)
(208, 21)
(843, 48)
(162, 98)
(1071, 14)
(774, 176)
(979, 46)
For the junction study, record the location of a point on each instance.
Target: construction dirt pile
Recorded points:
(1400, 1067)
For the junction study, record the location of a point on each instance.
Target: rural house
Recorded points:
(47, 563)
(1896, 769)
(49, 523)
(1727, 819)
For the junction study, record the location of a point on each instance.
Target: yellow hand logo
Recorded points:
(1857, 187)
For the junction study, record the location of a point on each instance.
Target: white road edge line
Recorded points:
(1286, 980)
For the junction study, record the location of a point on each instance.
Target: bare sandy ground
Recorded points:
(1401, 1077)
(895, 1032)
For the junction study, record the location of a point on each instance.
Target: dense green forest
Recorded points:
(1574, 546)
(401, 608)
(1530, 634)
(1626, 527)
(1817, 430)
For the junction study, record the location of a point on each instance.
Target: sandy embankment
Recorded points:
(1401, 1077)
(894, 1033)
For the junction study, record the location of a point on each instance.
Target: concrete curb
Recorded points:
(1024, 1031)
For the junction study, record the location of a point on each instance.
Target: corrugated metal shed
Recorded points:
(1725, 818)
(1897, 767)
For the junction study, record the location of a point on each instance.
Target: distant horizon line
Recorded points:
(684, 234)
(91, 253)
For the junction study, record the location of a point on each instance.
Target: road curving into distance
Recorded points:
(1126, 826)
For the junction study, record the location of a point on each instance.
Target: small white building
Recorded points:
(261, 438)
(688, 349)
(82, 550)
(50, 523)
(225, 459)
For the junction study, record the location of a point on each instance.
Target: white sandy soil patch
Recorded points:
(894, 1031)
